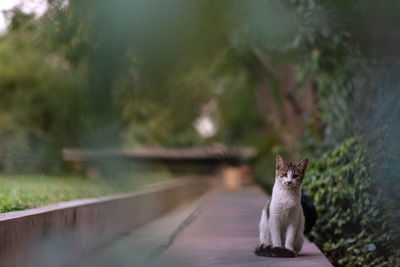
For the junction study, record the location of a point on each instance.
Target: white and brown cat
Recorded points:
(282, 219)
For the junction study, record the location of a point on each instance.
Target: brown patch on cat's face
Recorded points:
(288, 173)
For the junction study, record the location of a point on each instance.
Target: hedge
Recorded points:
(352, 227)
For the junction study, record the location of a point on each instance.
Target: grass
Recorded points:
(19, 192)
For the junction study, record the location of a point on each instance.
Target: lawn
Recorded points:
(19, 192)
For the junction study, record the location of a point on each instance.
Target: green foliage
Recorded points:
(39, 103)
(237, 116)
(352, 227)
(264, 167)
(355, 189)
(154, 116)
(91, 74)
(137, 74)
(327, 55)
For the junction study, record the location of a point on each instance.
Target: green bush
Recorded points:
(40, 104)
(352, 227)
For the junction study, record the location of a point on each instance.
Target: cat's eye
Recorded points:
(283, 174)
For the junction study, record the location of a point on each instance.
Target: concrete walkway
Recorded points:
(219, 230)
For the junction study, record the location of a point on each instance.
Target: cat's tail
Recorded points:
(266, 206)
(264, 248)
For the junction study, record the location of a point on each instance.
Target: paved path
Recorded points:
(222, 230)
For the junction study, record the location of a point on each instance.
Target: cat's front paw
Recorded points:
(263, 250)
(280, 252)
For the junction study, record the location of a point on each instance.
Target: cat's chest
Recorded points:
(284, 204)
(285, 210)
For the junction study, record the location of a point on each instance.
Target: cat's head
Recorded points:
(289, 174)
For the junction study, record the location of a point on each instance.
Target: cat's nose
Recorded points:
(288, 183)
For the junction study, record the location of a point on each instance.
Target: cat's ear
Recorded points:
(279, 162)
(302, 165)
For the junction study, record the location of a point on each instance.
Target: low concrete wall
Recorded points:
(59, 234)
(181, 161)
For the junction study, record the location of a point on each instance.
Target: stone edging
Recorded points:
(58, 234)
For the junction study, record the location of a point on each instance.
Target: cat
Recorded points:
(282, 220)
